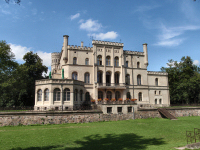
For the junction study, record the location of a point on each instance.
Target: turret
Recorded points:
(145, 54)
(65, 44)
(55, 59)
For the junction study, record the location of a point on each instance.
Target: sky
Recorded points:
(171, 28)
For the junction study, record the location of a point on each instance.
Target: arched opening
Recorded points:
(156, 82)
(126, 63)
(99, 60)
(138, 64)
(87, 61)
(156, 101)
(140, 96)
(116, 61)
(74, 60)
(109, 95)
(39, 95)
(46, 95)
(160, 101)
(108, 78)
(87, 96)
(74, 76)
(87, 77)
(108, 61)
(67, 94)
(99, 77)
(116, 78)
(100, 95)
(127, 79)
(56, 94)
(81, 95)
(138, 79)
(128, 95)
(75, 95)
(117, 95)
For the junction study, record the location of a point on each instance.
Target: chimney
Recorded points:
(65, 44)
(145, 54)
(82, 44)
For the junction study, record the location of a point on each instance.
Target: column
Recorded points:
(104, 63)
(113, 67)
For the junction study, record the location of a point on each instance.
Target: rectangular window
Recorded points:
(119, 109)
(68, 96)
(129, 109)
(109, 109)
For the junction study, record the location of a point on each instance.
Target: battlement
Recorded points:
(107, 43)
(133, 52)
(55, 54)
(71, 47)
(156, 73)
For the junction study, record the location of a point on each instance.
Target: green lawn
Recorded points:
(139, 134)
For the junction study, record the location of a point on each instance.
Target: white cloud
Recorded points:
(102, 36)
(5, 12)
(91, 25)
(75, 16)
(34, 11)
(171, 36)
(20, 51)
(196, 62)
(46, 74)
(141, 9)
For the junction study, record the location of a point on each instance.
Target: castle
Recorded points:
(102, 72)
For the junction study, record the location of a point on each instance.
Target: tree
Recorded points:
(16, 1)
(184, 81)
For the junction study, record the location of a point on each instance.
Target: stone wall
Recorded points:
(28, 118)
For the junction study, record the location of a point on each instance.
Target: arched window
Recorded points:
(87, 61)
(87, 96)
(99, 60)
(81, 95)
(160, 101)
(74, 60)
(99, 77)
(156, 101)
(155, 92)
(46, 95)
(75, 95)
(159, 92)
(140, 96)
(39, 95)
(116, 78)
(87, 77)
(109, 95)
(138, 64)
(156, 81)
(108, 78)
(116, 61)
(108, 61)
(138, 79)
(127, 79)
(100, 95)
(128, 95)
(126, 63)
(56, 94)
(74, 76)
(67, 95)
(117, 95)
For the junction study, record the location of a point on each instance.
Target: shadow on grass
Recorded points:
(109, 141)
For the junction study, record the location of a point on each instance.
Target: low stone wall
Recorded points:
(28, 118)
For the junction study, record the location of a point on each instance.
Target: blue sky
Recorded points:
(170, 27)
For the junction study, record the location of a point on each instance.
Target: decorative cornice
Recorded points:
(156, 73)
(107, 43)
(133, 52)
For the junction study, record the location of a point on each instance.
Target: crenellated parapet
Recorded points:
(58, 81)
(72, 47)
(156, 73)
(133, 52)
(107, 43)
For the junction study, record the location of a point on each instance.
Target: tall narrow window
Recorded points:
(108, 61)
(127, 79)
(87, 61)
(156, 101)
(138, 64)
(126, 63)
(87, 77)
(116, 61)
(87, 96)
(75, 95)
(128, 95)
(74, 75)
(117, 95)
(81, 95)
(109, 95)
(160, 101)
(99, 60)
(99, 77)
(116, 78)
(46, 95)
(139, 80)
(100, 95)
(67, 95)
(74, 60)
(156, 81)
(56, 94)
(140, 96)
(39, 95)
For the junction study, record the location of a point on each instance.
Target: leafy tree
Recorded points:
(16, 1)
(184, 81)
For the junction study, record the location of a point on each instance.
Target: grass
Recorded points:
(139, 134)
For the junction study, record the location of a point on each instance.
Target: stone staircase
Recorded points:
(166, 114)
